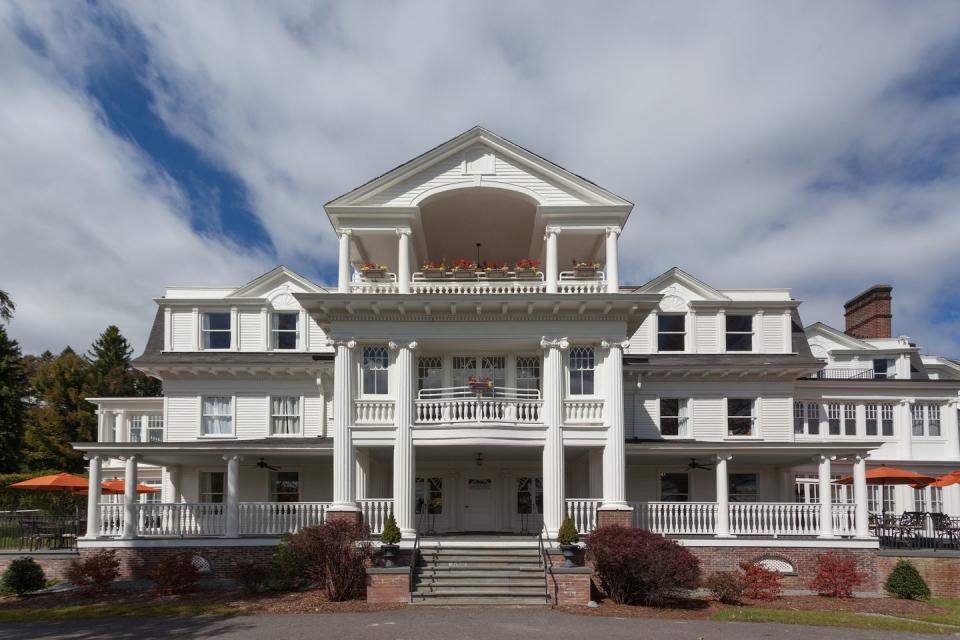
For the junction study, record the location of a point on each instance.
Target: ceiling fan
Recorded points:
(693, 464)
(263, 465)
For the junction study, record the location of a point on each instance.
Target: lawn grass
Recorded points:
(943, 618)
(88, 611)
(830, 619)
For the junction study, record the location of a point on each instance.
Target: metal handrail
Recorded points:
(454, 393)
(545, 557)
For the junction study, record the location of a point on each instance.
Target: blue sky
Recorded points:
(764, 144)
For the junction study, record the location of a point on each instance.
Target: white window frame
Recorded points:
(683, 417)
(200, 486)
(233, 417)
(682, 333)
(275, 332)
(203, 333)
(808, 413)
(429, 363)
(271, 428)
(271, 484)
(930, 414)
(382, 352)
(756, 495)
(572, 373)
(528, 362)
(752, 333)
(889, 493)
(661, 473)
(879, 412)
(754, 419)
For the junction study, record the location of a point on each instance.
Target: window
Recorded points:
(154, 497)
(464, 368)
(581, 371)
(833, 419)
(155, 428)
(739, 333)
(529, 495)
(217, 416)
(429, 373)
(429, 494)
(916, 419)
(807, 489)
(920, 500)
(849, 420)
(528, 374)
(284, 486)
(884, 368)
(673, 416)
(147, 428)
(870, 411)
(376, 364)
(674, 487)
(495, 368)
(841, 419)
(211, 486)
(283, 328)
(925, 419)
(743, 487)
(936, 499)
(806, 418)
(873, 499)
(740, 417)
(671, 328)
(215, 330)
(886, 419)
(284, 415)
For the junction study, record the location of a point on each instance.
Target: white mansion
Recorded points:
(500, 396)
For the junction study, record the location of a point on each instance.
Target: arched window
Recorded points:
(376, 365)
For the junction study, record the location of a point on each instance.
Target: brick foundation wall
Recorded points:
(570, 587)
(54, 565)
(388, 585)
(622, 518)
(354, 517)
(136, 563)
(942, 574)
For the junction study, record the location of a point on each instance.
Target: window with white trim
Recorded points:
(582, 367)
(806, 418)
(879, 420)
(889, 504)
(212, 485)
(428, 493)
(284, 486)
(429, 372)
(739, 332)
(215, 330)
(925, 419)
(673, 417)
(530, 495)
(284, 415)
(671, 332)
(283, 329)
(743, 487)
(740, 416)
(153, 497)
(806, 489)
(674, 487)
(217, 416)
(884, 368)
(528, 373)
(376, 371)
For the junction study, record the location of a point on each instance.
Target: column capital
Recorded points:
(606, 343)
(860, 457)
(907, 401)
(344, 232)
(395, 346)
(402, 231)
(953, 403)
(554, 343)
(136, 457)
(232, 456)
(612, 231)
(822, 457)
(551, 231)
(349, 343)
(723, 457)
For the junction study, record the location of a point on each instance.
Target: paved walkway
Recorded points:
(433, 623)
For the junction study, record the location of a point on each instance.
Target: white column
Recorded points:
(950, 427)
(614, 462)
(93, 498)
(403, 260)
(404, 456)
(234, 329)
(552, 273)
(343, 459)
(723, 497)
(860, 496)
(343, 273)
(232, 523)
(173, 476)
(130, 528)
(613, 260)
(362, 473)
(903, 424)
(553, 475)
(168, 328)
(826, 497)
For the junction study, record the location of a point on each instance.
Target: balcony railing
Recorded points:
(475, 283)
(468, 405)
(846, 374)
(583, 512)
(583, 411)
(373, 411)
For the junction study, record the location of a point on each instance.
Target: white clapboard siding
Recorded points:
(329, 415)
(708, 419)
(312, 406)
(318, 339)
(640, 341)
(251, 330)
(708, 334)
(510, 172)
(183, 417)
(773, 340)
(647, 423)
(251, 416)
(183, 330)
(776, 418)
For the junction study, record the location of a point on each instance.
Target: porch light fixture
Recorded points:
(479, 459)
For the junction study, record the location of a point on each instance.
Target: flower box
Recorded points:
(433, 273)
(480, 384)
(585, 272)
(497, 274)
(527, 274)
(464, 274)
(374, 274)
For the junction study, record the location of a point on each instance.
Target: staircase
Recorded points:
(509, 574)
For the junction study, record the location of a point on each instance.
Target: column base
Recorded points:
(618, 517)
(353, 517)
(408, 534)
(725, 536)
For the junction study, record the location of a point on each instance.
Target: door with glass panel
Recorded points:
(479, 378)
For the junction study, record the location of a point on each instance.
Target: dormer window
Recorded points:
(671, 332)
(283, 330)
(884, 368)
(739, 333)
(215, 330)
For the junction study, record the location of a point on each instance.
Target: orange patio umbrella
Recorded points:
(884, 475)
(117, 486)
(55, 482)
(947, 479)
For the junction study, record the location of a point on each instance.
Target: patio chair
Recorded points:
(911, 526)
(36, 535)
(945, 527)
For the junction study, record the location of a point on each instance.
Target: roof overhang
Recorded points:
(209, 451)
(783, 367)
(793, 453)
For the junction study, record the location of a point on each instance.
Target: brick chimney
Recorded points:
(868, 314)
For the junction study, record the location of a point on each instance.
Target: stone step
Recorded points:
(475, 571)
(485, 581)
(473, 590)
(451, 558)
(492, 553)
(483, 601)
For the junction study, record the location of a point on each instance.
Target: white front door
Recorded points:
(479, 505)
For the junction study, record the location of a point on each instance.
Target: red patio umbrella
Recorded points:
(55, 482)
(884, 475)
(947, 479)
(117, 486)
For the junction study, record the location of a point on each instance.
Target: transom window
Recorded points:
(925, 419)
(739, 332)
(673, 416)
(885, 420)
(211, 487)
(740, 416)
(743, 487)
(529, 495)
(217, 416)
(429, 373)
(376, 370)
(429, 495)
(582, 367)
(674, 487)
(284, 486)
(671, 332)
(284, 415)
(215, 330)
(284, 330)
(528, 373)
(806, 418)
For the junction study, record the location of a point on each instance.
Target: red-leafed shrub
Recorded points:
(635, 565)
(94, 573)
(837, 575)
(726, 586)
(334, 554)
(251, 576)
(759, 582)
(175, 574)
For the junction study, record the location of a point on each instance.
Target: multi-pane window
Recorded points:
(936, 499)
(284, 486)
(495, 368)
(429, 495)
(284, 415)
(743, 487)
(886, 419)
(841, 419)
(740, 416)
(884, 368)
(283, 329)
(673, 416)
(211, 486)
(806, 489)
(529, 495)
(739, 333)
(833, 418)
(928, 499)
(674, 487)
(147, 428)
(889, 499)
(376, 369)
(925, 419)
(217, 416)
(849, 420)
(671, 332)
(154, 497)
(464, 368)
(582, 366)
(870, 413)
(429, 373)
(155, 428)
(806, 418)
(528, 374)
(215, 330)
(920, 500)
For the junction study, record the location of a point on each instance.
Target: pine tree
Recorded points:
(110, 355)
(110, 350)
(6, 307)
(13, 393)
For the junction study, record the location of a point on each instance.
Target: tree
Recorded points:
(13, 393)
(110, 355)
(6, 307)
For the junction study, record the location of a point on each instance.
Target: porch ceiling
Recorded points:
(786, 453)
(274, 451)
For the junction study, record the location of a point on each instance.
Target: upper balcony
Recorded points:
(482, 279)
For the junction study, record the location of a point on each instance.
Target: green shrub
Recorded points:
(391, 532)
(23, 576)
(95, 572)
(568, 533)
(906, 582)
(726, 586)
(286, 574)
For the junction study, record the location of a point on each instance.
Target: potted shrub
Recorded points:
(481, 383)
(585, 268)
(373, 271)
(494, 270)
(464, 269)
(388, 541)
(434, 270)
(527, 268)
(567, 538)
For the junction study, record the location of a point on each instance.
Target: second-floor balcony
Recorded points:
(480, 281)
(473, 404)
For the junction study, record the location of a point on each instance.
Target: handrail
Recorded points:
(545, 557)
(503, 393)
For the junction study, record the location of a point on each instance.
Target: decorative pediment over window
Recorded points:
(827, 339)
(679, 289)
(274, 283)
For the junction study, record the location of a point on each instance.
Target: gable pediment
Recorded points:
(828, 339)
(679, 289)
(277, 286)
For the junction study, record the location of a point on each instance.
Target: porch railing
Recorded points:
(277, 518)
(583, 411)
(180, 519)
(676, 518)
(774, 518)
(472, 283)
(745, 518)
(373, 411)
(375, 513)
(465, 404)
(583, 512)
